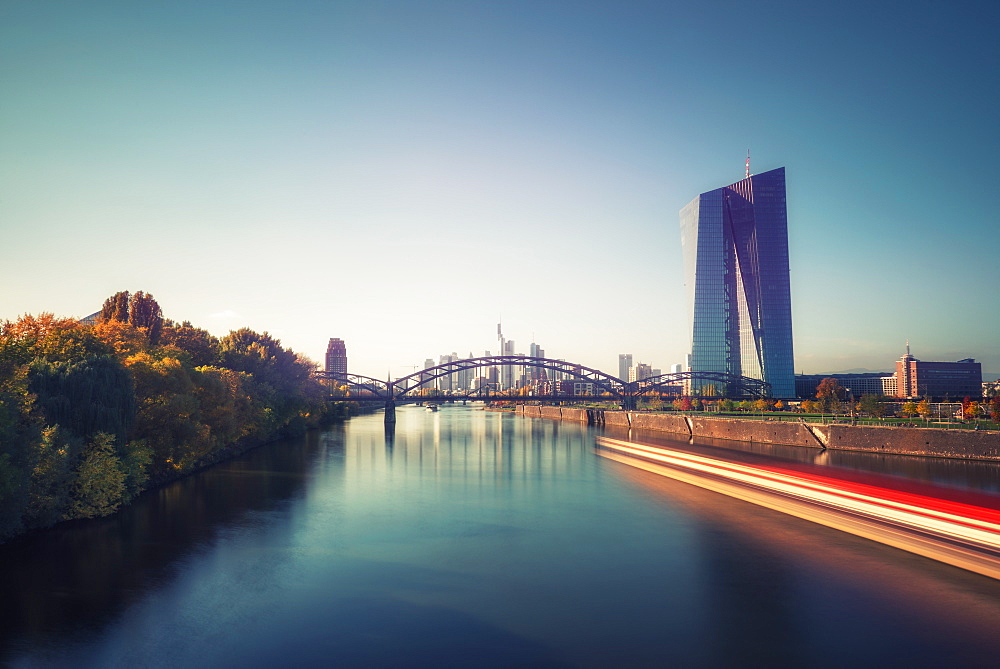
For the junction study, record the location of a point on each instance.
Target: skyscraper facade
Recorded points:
(735, 246)
(624, 363)
(336, 356)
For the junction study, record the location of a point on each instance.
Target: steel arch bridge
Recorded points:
(407, 388)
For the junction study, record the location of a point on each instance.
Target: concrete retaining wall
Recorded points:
(967, 444)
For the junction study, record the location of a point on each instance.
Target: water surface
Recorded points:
(473, 538)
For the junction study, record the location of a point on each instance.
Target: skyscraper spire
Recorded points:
(748, 162)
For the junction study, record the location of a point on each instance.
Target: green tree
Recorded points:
(99, 488)
(52, 477)
(727, 405)
(873, 405)
(200, 346)
(86, 397)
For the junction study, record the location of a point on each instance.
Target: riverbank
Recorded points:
(941, 443)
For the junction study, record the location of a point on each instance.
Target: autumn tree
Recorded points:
(924, 408)
(829, 394)
(139, 310)
(995, 408)
(683, 403)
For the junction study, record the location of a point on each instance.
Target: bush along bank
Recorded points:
(92, 414)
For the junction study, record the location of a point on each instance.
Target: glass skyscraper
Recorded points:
(735, 245)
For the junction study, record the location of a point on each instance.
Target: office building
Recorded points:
(867, 383)
(336, 356)
(624, 363)
(735, 245)
(938, 380)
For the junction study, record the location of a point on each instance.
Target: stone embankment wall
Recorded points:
(969, 444)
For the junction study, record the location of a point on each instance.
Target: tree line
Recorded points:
(92, 414)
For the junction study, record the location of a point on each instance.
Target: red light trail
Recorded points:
(960, 534)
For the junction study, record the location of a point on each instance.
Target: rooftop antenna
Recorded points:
(748, 162)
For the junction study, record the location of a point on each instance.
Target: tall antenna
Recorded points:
(748, 162)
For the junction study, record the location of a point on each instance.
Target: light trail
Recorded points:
(960, 534)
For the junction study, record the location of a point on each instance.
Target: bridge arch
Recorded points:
(605, 382)
(729, 385)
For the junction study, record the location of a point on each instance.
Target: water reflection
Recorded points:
(88, 572)
(476, 538)
(980, 475)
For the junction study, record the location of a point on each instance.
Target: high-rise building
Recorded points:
(735, 245)
(507, 375)
(336, 356)
(624, 363)
(536, 373)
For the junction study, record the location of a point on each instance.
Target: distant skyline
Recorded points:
(402, 174)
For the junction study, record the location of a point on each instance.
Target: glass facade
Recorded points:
(735, 246)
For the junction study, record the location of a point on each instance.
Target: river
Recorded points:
(473, 538)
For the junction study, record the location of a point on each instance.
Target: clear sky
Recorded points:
(402, 174)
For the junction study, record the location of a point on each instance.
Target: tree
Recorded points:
(51, 338)
(198, 344)
(808, 406)
(909, 409)
(924, 409)
(966, 406)
(99, 488)
(995, 408)
(684, 403)
(727, 405)
(829, 393)
(760, 405)
(139, 310)
(125, 338)
(86, 397)
(873, 405)
(779, 405)
(115, 308)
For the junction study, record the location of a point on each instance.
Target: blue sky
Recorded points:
(402, 174)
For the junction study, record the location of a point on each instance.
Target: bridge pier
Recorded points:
(390, 411)
(628, 403)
